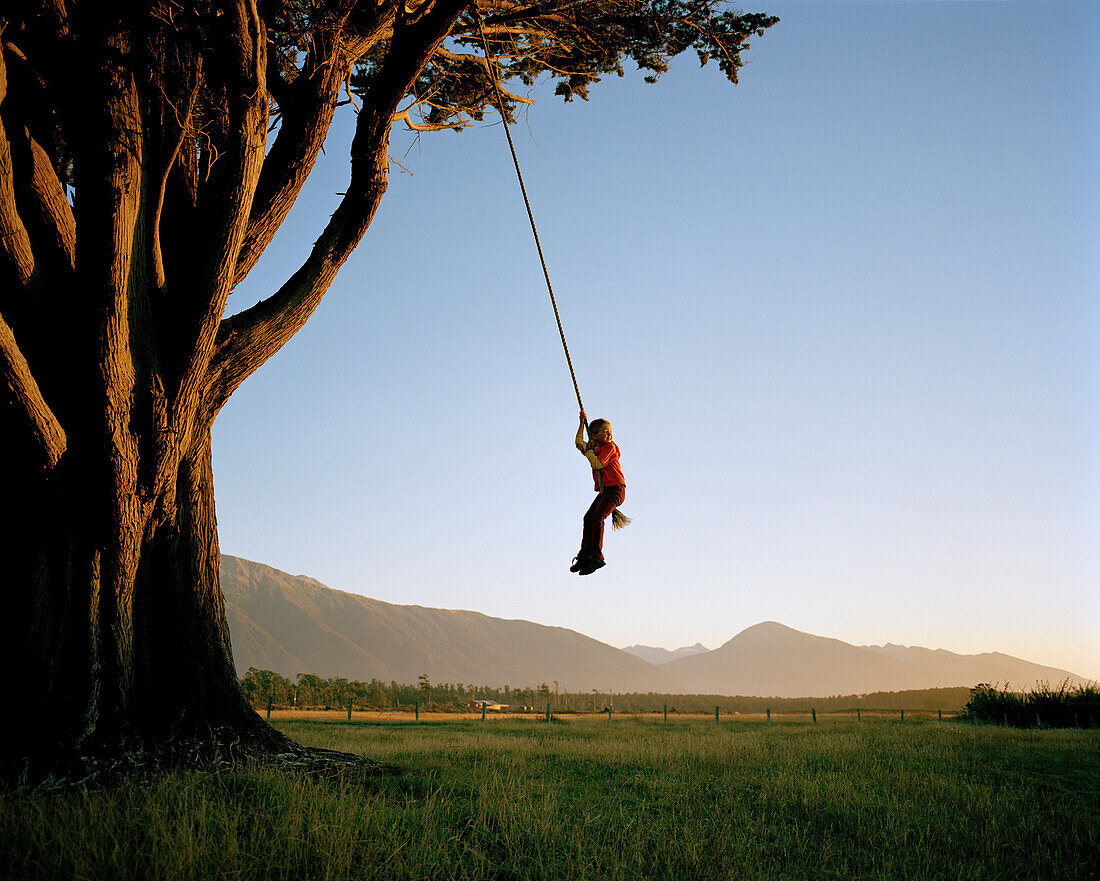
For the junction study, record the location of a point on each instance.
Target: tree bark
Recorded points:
(119, 626)
(117, 620)
(184, 659)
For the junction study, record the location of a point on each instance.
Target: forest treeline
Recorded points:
(264, 688)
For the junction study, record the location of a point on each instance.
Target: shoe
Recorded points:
(577, 564)
(590, 566)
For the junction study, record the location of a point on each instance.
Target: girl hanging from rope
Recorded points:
(602, 454)
(600, 450)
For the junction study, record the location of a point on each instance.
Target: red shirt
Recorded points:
(611, 474)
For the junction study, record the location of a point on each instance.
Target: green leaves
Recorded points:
(573, 45)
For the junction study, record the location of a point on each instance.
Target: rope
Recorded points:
(491, 65)
(618, 518)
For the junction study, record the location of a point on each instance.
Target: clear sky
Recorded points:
(844, 318)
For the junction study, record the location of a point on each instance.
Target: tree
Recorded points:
(149, 150)
(311, 690)
(261, 686)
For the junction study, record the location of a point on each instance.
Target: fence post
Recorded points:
(1038, 721)
(940, 714)
(609, 714)
(483, 712)
(859, 715)
(349, 709)
(903, 715)
(666, 715)
(769, 718)
(417, 707)
(548, 711)
(716, 722)
(269, 709)
(813, 713)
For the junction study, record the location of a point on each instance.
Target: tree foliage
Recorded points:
(192, 89)
(1044, 706)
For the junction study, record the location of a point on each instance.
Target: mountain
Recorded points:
(655, 655)
(772, 660)
(294, 624)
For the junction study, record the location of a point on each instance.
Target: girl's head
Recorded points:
(599, 431)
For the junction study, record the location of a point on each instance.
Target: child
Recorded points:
(603, 455)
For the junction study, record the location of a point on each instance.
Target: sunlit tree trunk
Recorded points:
(118, 358)
(122, 636)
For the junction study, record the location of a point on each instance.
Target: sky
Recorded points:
(844, 318)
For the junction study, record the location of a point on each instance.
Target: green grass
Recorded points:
(514, 799)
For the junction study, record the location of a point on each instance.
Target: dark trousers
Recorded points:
(606, 501)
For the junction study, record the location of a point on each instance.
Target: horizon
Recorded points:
(843, 317)
(314, 580)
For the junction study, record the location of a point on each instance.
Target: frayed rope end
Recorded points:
(619, 519)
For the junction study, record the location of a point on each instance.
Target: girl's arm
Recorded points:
(592, 458)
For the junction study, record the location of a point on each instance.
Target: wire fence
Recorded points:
(417, 714)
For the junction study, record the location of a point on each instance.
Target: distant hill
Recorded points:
(773, 660)
(658, 656)
(294, 624)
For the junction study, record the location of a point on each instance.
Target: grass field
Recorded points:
(583, 798)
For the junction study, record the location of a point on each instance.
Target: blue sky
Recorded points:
(844, 318)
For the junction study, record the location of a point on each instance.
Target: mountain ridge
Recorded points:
(295, 624)
(657, 656)
(771, 658)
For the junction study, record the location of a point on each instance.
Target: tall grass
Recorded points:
(1064, 706)
(523, 799)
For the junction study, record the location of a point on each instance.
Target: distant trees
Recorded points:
(309, 690)
(425, 685)
(1044, 706)
(261, 687)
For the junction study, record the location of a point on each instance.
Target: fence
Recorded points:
(551, 714)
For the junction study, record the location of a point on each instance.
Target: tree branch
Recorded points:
(169, 155)
(26, 398)
(483, 62)
(307, 110)
(109, 154)
(242, 57)
(48, 213)
(248, 339)
(15, 243)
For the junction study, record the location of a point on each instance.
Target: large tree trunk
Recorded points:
(116, 619)
(118, 622)
(183, 657)
(118, 626)
(116, 353)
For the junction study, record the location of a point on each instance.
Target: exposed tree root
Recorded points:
(214, 751)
